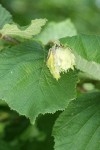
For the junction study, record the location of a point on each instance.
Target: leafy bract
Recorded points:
(59, 60)
(27, 84)
(54, 31)
(5, 17)
(78, 127)
(87, 51)
(23, 32)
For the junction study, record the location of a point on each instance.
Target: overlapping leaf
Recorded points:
(5, 17)
(23, 32)
(87, 51)
(54, 31)
(27, 84)
(78, 127)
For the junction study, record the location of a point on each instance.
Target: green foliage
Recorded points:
(64, 113)
(53, 31)
(87, 51)
(6, 146)
(5, 17)
(23, 32)
(78, 127)
(26, 81)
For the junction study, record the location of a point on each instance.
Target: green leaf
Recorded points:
(27, 84)
(54, 31)
(5, 17)
(23, 32)
(87, 51)
(78, 127)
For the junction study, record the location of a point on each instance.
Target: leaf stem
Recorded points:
(9, 39)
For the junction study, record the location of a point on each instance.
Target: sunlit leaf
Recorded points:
(23, 32)
(27, 84)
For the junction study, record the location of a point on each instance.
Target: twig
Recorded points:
(9, 39)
